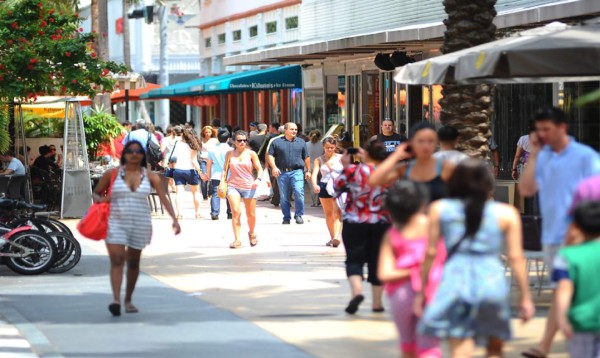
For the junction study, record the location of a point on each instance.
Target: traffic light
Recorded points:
(147, 12)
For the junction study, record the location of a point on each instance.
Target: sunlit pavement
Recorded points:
(290, 285)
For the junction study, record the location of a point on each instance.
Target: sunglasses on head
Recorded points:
(133, 151)
(241, 140)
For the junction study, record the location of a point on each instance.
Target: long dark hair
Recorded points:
(189, 137)
(473, 183)
(404, 199)
(144, 164)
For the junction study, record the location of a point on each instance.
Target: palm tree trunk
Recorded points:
(99, 11)
(468, 108)
(126, 37)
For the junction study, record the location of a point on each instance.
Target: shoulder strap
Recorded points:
(148, 142)
(226, 167)
(326, 163)
(408, 169)
(173, 150)
(114, 173)
(265, 140)
(439, 166)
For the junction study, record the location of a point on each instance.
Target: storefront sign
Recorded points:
(261, 86)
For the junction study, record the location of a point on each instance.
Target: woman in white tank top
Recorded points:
(186, 171)
(329, 165)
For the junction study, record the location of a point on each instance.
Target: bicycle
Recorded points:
(26, 251)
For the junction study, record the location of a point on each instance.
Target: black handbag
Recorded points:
(171, 163)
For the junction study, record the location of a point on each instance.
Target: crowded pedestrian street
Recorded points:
(198, 298)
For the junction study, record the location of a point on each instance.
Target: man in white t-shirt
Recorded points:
(448, 137)
(14, 165)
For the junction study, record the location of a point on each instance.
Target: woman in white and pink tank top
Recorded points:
(241, 185)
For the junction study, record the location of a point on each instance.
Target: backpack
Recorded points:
(153, 154)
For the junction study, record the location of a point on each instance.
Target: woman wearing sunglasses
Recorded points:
(241, 185)
(130, 221)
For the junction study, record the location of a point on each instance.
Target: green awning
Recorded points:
(276, 78)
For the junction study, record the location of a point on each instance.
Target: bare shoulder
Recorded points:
(507, 214)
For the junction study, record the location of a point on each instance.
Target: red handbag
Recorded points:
(94, 224)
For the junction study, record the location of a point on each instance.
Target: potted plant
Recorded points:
(100, 127)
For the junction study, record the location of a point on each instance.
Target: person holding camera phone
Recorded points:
(364, 221)
(422, 167)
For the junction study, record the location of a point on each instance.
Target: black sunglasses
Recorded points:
(132, 151)
(241, 140)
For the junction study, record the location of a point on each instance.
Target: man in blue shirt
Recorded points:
(556, 166)
(140, 134)
(288, 159)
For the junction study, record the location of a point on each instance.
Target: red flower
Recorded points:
(74, 81)
(51, 11)
(14, 25)
(30, 67)
(54, 37)
(68, 54)
(43, 23)
(10, 42)
(1, 66)
(1, 78)
(95, 87)
(63, 88)
(40, 5)
(59, 31)
(41, 33)
(93, 31)
(93, 55)
(81, 29)
(33, 61)
(51, 19)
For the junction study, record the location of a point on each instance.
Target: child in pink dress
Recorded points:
(402, 253)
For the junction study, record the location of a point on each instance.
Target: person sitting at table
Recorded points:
(46, 160)
(13, 165)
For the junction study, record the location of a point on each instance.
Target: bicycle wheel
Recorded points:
(68, 252)
(61, 226)
(38, 260)
(42, 225)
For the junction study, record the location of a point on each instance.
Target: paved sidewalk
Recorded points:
(12, 342)
(291, 284)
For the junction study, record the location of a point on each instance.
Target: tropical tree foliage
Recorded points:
(43, 51)
(468, 108)
(99, 127)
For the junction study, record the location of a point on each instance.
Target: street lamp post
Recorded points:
(130, 81)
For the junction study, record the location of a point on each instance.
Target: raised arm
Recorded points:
(390, 170)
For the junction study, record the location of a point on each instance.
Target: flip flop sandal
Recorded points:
(131, 309)
(115, 309)
(335, 242)
(235, 245)
(533, 353)
(253, 240)
(354, 303)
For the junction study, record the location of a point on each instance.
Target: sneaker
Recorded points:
(229, 216)
(299, 220)
(214, 217)
(285, 222)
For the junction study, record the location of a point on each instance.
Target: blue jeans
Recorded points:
(203, 184)
(215, 201)
(291, 180)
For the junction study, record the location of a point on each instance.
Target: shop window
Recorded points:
(271, 27)
(237, 35)
(253, 30)
(221, 39)
(207, 42)
(291, 23)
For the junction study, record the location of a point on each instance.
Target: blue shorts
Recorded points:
(186, 176)
(243, 193)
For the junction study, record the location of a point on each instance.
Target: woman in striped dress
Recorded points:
(129, 223)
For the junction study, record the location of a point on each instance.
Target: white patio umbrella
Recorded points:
(441, 69)
(572, 54)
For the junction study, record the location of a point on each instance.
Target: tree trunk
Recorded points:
(99, 11)
(468, 108)
(126, 37)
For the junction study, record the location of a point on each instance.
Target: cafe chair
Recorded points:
(152, 197)
(15, 187)
(4, 185)
(534, 256)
